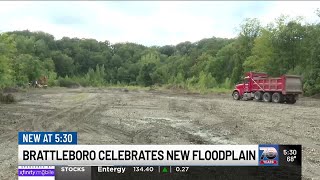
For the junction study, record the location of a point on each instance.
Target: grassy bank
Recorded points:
(195, 89)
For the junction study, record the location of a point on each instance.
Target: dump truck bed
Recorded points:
(287, 84)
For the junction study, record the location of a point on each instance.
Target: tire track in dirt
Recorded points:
(146, 136)
(117, 134)
(45, 121)
(36, 125)
(73, 118)
(19, 125)
(104, 129)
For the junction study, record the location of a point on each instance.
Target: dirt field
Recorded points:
(113, 116)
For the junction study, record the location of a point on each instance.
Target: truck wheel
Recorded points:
(266, 97)
(236, 95)
(258, 96)
(277, 98)
(291, 99)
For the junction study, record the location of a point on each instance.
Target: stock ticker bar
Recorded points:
(289, 167)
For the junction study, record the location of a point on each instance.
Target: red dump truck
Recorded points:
(261, 87)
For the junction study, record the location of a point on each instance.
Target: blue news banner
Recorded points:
(53, 138)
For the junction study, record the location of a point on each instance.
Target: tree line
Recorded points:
(286, 46)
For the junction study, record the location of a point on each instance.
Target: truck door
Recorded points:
(246, 84)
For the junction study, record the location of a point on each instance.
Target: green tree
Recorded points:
(250, 30)
(145, 75)
(7, 53)
(263, 55)
(63, 63)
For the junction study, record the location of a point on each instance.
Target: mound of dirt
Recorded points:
(316, 96)
(10, 90)
(9, 98)
(74, 86)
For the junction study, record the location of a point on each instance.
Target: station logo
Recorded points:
(268, 155)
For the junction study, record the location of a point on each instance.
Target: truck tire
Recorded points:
(236, 95)
(258, 96)
(277, 97)
(266, 97)
(291, 99)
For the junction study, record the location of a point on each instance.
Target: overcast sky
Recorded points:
(145, 22)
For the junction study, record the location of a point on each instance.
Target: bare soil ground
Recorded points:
(114, 116)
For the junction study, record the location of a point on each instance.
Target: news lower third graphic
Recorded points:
(59, 156)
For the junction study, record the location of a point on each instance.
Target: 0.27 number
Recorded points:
(181, 169)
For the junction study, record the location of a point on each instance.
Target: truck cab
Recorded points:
(241, 88)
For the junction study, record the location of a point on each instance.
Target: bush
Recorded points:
(83, 81)
(191, 82)
(52, 79)
(206, 81)
(226, 84)
(175, 86)
(68, 82)
(312, 82)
